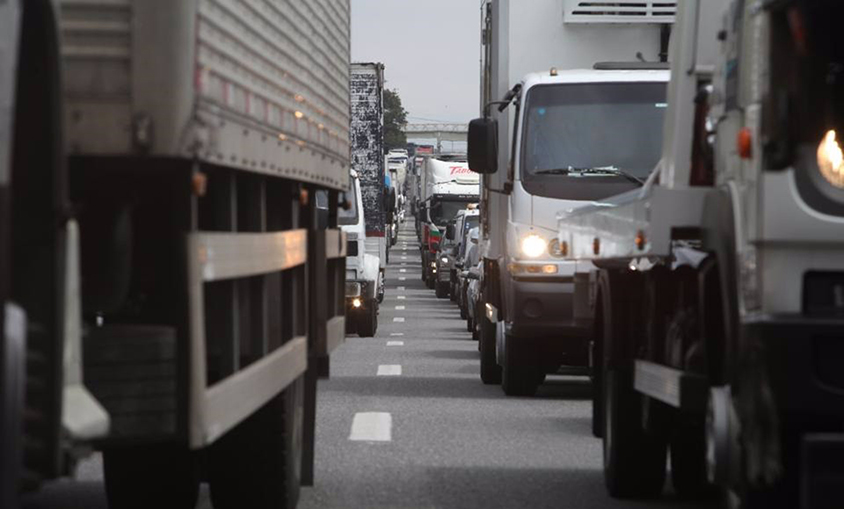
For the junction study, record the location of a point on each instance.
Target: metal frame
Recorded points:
(219, 256)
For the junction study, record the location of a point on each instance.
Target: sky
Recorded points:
(430, 50)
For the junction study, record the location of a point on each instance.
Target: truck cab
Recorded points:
(448, 186)
(362, 271)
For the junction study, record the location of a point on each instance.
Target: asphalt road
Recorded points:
(426, 433)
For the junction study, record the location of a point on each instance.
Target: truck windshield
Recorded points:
(606, 132)
(350, 215)
(442, 211)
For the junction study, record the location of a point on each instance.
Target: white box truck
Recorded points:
(719, 335)
(583, 128)
(168, 294)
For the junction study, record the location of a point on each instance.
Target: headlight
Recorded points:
(533, 246)
(444, 259)
(831, 160)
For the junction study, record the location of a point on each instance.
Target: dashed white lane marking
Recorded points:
(404, 258)
(400, 288)
(399, 308)
(395, 334)
(401, 297)
(372, 427)
(402, 279)
(398, 319)
(389, 370)
(402, 270)
(395, 343)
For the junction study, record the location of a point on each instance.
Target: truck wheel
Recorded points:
(430, 282)
(258, 464)
(634, 461)
(470, 326)
(151, 475)
(441, 290)
(688, 459)
(368, 321)
(490, 370)
(516, 379)
(452, 292)
(597, 387)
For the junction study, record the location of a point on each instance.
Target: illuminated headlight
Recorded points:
(433, 265)
(533, 246)
(444, 259)
(831, 160)
(356, 302)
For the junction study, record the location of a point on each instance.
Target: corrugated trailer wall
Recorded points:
(367, 139)
(258, 85)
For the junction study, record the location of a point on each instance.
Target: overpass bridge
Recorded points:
(437, 131)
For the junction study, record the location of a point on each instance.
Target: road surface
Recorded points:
(405, 422)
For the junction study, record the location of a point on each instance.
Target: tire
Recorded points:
(380, 289)
(464, 315)
(634, 460)
(430, 282)
(367, 323)
(441, 290)
(151, 475)
(452, 292)
(597, 389)
(516, 379)
(490, 370)
(470, 325)
(258, 464)
(688, 459)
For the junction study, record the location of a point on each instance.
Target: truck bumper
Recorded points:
(540, 319)
(803, 358)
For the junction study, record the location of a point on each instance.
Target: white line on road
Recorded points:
(402, 279)
(402, 270)
(372, 427)
(401, 297)
(389, 370)
(404, 258)
(400, 288)
(399, 308)
(395, 343)
(397, 334)
(398, 319)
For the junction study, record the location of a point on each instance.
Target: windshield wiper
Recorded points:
(599, 170)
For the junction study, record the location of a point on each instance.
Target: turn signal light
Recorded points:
(745, 143)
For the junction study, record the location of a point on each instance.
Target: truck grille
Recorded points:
(352, 248)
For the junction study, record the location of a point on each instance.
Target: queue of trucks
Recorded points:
(680, 237)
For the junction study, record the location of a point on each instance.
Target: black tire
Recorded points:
(441, 290)
(516, 379)
(597, 388)
(464, 315)
(151, 475)
(688, 459)
(490, 370)
(367, 323)
(470, 325)
(430, 282)
(258, 464)
(452, 292)
(634, 459)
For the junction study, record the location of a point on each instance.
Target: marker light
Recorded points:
(831, 160)
(356, 302)
(533, 246)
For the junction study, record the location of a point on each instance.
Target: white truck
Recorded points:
(362, 269)
(584, 128)
(167, 294)
(720, 291)
(367, 140)
(447, 186)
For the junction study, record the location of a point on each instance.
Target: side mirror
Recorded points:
(483, 145)
(449, 232)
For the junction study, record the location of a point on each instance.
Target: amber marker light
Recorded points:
(831, 160)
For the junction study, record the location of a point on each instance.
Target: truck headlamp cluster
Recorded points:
(533, 246)
(831, 160)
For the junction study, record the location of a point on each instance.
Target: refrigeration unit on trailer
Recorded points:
(367, 140)
(587, 126)
(718, 303)
(170, 290)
